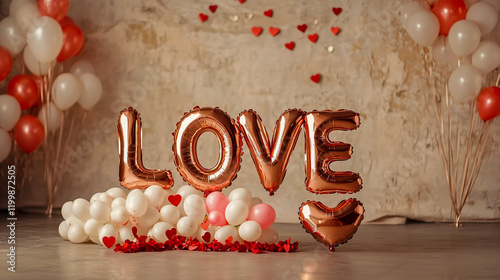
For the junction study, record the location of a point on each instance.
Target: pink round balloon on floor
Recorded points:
(217, 218)
(263, 214)
(216, 201)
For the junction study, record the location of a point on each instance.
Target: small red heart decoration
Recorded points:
(313, 37)
(175, 199)
(316, 78)
(134, 232)
(242, 1)
(202, 17)
(335, 30)
(256, 30)
(290, 45)
(229, 240)
(274, 30)
(205, 225)
(336, 10)
(206, 237)
(302, 27)
(170, 233)
(213, 8)
(268, 13)
(108, 241)
(287, 246)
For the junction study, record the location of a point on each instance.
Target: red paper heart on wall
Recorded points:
(170, 233)
(316, 78)
(336, 10)
(213, 8)
(302, 27)
(268, 13)
(335, 30)
(290, 45)
(202, 17)
(313, 37)
(331, 226)
(274, 30)
(256, 30)
(206, 237)
(108, 241)
(175, 199)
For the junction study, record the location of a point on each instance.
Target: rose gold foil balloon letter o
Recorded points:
(189, 129)
(321, 151)
(133, 174)
(271, 159)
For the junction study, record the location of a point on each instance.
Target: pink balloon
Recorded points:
(263, 214)
(217, 218)
(216, 201)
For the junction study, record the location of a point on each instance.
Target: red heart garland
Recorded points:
(336, 10)
(206, 237)
(242, 1)
(213, 8)
(290, 45)
(256, 30)
(313, 37)
(205, 225)
(175, 199)
(268, 13)
(202, 17)
(108, 241)
(302, 27)
(335, 30)
(274, 31)
(316, 78)
(229, 240)
(170, 233)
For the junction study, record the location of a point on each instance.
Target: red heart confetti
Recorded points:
(108, 241)
(229, 240)
(175, 199)
(242, 1)
(290, 45)
(202, 17)
(302, 27)
(268, 13)
(313, 37)
(256, 30)
(335, 30)
(274, 30)
(205, 224)
(316, 78)
(287, 245)
(170, 233)
(336, 10)
(213, 8)
(206, 237)
(134, 232)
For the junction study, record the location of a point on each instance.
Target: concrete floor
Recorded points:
(413, 251)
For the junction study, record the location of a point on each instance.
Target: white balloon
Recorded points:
(74, 220)
(486, 57)
(45, 39)
(66, 210)
(159, 229)
(465, 83)
(119, 216)
(92, 90)
(81, 66)
(94, 197)
(108, 230)
(494, 3)
(484, 15)
(184, 192)
(269, 235)
(170, 214)
(119, 202)
(104, 197)
(53, 116)
(168, 192)
(194, 206)
(137, 203)
(26, 15)
(11, 36)
(10, 112)
(116, 193)
(469, 3)
(241, 194)
(442, 52)
(100, 211)
(76, 233)
(464, 37)
(125, 233)
(81, 209)
(186, 226)
(423, 27)
(150, 217)
(410, 8)
(66, 90)
(236, 212)
(250, 231)
(95, 239)
(92, 227)
(63, 230)
(224, 232)
(5, 144)
(36, 67)
(154, 193)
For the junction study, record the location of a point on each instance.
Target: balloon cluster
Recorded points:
(40, 34)
(111, 217)
(455, 31)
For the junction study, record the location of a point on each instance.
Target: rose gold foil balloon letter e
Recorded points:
(132, 173)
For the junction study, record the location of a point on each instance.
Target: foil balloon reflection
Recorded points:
(331, 226)
(132, 173)
(271, 159)
(321, 152)
(189, 129)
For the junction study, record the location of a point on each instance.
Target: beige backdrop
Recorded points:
(156, 56)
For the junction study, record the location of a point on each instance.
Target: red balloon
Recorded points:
(55, 9)
(29, 133)
(24, 89)
(5, 63)
(448, 12)
(488, 103)
(40, 86)
(73, 40)
(66, 20)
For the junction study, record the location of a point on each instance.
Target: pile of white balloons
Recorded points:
(153, 212)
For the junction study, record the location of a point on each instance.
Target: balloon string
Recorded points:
(58, 152)
(64, 153)
(498, 79)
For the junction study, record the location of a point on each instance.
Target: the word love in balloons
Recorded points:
(270, 158)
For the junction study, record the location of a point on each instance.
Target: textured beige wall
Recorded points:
(156, 56)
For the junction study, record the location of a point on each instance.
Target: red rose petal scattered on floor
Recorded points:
(336, 10)
(302, 27)
(256, 30)
(335, 30)
(268, 13)
(316, 78)
(313, 37)
(290, 45)
(202, 17)
(213, 8)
